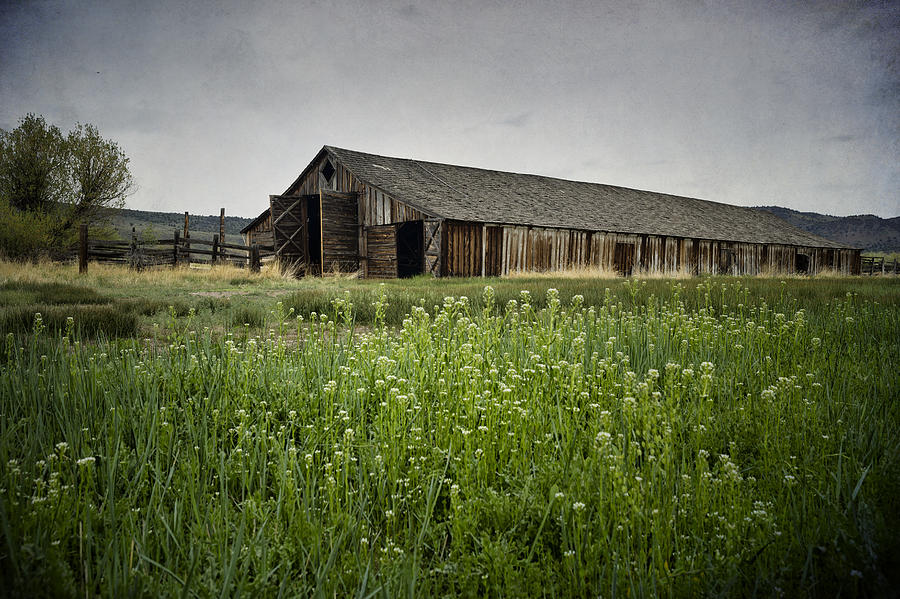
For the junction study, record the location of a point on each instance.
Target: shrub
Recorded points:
(90, 321)
(24, 234)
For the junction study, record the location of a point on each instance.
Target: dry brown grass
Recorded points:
(578, 272)
(681, 273)
(596, 272)
(112, 275)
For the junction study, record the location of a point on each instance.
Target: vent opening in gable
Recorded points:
(328, 171)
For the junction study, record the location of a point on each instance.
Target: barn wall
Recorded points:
(525, 249)
(513, 248)
(260, 233)
(462, 249)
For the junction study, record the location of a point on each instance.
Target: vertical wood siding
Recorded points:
(340, 232)
(261, 233)
(515, 248)
(382, 243)
(462, 249)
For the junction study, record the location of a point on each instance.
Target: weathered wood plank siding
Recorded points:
(381, 241)
(340, 232)
(261, 232)
(462, 249)
(515, 248)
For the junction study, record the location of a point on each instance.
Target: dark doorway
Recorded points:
(802, 264)
(313, 235)
(410, 249)
(726, 261)
(623, 259)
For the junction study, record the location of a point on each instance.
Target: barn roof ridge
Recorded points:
(489, 195)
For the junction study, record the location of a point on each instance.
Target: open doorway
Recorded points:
(623, 259)
(410, 248)
(313, 235)
(802, 264)
(726, 261)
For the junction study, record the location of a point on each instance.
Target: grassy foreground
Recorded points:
(676, 438)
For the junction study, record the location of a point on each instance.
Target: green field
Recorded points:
(216, 433)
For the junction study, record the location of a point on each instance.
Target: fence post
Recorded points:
(215, 249)
(254, 258)
(186, 233)
(82, 248)
(132, 255)
(175, 250)
(222, 226)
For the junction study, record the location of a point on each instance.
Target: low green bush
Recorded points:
(88, 321)
(25, 235)
(247, 315)
(21, 292)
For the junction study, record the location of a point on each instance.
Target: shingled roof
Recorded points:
(474, 194)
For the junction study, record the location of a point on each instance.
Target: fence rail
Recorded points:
(139, 253)
(877, 265)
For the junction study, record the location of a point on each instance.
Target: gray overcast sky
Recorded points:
(222, 103)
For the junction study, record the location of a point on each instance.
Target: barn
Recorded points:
(389, 217)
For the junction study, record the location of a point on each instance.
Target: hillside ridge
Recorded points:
(866, 231)
(161, 224)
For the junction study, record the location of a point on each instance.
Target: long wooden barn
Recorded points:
(392, 217)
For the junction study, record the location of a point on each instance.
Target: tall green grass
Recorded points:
(658, 438)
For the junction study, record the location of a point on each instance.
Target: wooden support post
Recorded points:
(186, 230)
(254, 258)
(215, 248)
(222, 226)
(483, 248)
(175, 250)
(132, 255)
(83, 249)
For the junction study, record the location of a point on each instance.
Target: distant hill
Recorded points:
(162, 224)
(866, 231)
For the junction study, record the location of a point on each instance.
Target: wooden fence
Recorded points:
(141, 253)
(877, 265)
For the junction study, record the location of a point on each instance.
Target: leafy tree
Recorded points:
(33, 165)
(59, 181)
(99, 174)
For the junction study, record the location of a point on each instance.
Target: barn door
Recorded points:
(432, 234)
(290, 230)
(726, 261)
(339, 213)
(381, 249)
